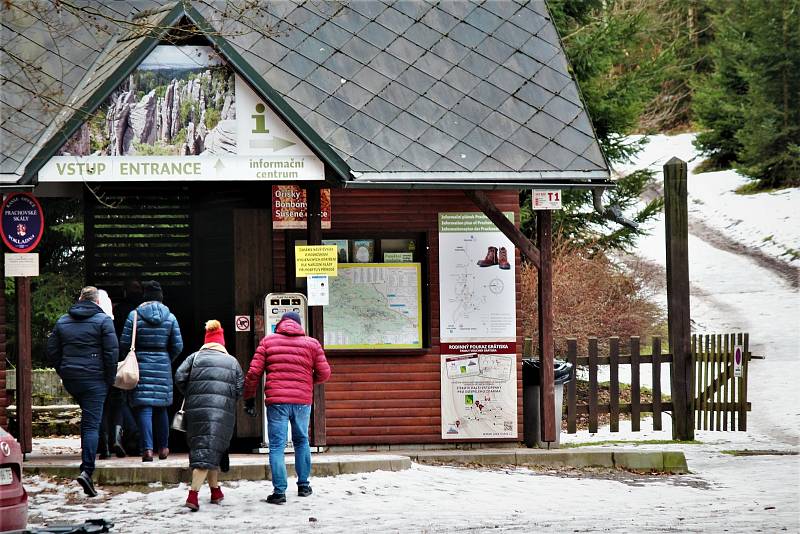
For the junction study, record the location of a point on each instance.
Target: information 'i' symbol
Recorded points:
(260, 118)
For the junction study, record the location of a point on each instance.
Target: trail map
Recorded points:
(374, 305)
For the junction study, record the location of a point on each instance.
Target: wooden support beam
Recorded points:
(544, 238)
(676, 217)
(513, 233)
(314, 237)
(24, 370)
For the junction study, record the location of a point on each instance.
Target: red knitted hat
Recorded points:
(214, 333)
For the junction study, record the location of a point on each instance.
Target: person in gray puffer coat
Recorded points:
(211, 381)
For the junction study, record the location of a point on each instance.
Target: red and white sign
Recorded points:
(242, 323)
(546, 199)
(738, 357)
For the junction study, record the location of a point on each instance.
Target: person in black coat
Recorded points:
(83, 349)
(211, 381)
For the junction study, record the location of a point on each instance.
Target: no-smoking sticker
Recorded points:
(242, 323)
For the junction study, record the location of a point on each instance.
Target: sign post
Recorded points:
(22, 226)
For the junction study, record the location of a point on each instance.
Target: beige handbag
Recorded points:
(128, 369)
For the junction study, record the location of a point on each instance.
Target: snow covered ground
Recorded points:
(732, 290)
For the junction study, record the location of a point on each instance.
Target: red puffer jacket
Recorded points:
(293, 362)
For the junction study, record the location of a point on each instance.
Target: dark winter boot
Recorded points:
(163, 453)
(277, 498)
(147, 455)
(102, 447)
(216, 495)
(304, 491)
(191, 501)
(502, 260)
(117, 445)
(490, 259)
(85, 480)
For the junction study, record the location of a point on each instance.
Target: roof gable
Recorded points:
(405, 89)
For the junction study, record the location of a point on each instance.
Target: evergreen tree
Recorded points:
(749, 103)
(619, 70)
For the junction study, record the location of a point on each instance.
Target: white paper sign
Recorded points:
(318, 290)
(22, 264)
(738, 360)
(546, 199)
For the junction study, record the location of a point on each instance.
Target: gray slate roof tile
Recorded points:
(403, 85)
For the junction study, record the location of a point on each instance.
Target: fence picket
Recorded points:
(613, 354)
(656, 368)
(593, 385)
(696, 404)
(636, 398)
(720, 382)
(572, 387)
(712, 355)
(743, 382)
(706, 381)
(726, 364)
(734, 411)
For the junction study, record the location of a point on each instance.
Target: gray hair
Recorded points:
(90, 293)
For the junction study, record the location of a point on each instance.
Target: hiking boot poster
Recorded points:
(476, 276)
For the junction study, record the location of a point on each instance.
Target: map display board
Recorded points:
(479, 390)
(375, 306)
(476, 280)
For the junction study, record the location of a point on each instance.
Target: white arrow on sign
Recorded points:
(276, 143)
(219, 165)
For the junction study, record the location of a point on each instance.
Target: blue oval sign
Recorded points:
(22, 221)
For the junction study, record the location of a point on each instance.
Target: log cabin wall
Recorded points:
(378, 399)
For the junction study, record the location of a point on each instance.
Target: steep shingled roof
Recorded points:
(408, 89)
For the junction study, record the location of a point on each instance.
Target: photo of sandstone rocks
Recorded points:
(180, 101)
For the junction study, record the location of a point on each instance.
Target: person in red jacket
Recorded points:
(293, 362)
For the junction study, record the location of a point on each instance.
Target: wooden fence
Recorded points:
(614, 407)
(720, 397)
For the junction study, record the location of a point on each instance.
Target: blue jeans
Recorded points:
(147, 417)
(278, 417)
(90, 396)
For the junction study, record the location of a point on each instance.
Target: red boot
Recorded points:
(191, 501)
(502, 260)
(490, 259)
(216, 495)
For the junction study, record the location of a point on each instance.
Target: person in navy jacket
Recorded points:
(158, 344)
(83, 349)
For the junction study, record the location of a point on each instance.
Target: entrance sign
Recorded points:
(183, 114)
(476, 280)
(478, 390)
(318, 286)
(315, 259)
(290, 209)
(242, 323)
(375, 306)
(546, 199)
(738, 360)
(22, 222)
(22, 264)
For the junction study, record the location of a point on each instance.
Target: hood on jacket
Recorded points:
(288, 327)
(153, 312)
(83, 309)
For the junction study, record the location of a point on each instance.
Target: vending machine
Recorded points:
(275, 305)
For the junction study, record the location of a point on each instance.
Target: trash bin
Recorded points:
(531, 408)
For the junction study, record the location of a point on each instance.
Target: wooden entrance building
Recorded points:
(413, 109)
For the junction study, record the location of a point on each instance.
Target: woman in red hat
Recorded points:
(211, 381)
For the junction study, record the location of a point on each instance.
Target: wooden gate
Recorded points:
(720, 384)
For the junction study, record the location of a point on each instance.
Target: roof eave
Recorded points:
(482, 180)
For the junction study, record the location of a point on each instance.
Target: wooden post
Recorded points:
(24, 388)
(544, 229)
(677, 234)
(314, 237)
